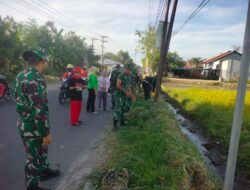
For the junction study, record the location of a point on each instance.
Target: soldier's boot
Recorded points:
(49, 173)
(124, 123)
(115, 124)
(36, 187)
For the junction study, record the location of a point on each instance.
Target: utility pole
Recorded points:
(239, 107)
(93, 48)
(103, 41)
(166, 37)
(92, 45)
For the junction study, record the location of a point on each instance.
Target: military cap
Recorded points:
(28, 55)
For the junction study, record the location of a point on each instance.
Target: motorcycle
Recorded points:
(5, 91)
(64, 92)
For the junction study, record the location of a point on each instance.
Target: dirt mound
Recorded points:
(115, 180)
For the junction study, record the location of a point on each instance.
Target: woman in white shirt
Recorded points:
(103, 86)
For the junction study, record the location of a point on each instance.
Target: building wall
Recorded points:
(231, 70)
(215, 64)
(225, 70)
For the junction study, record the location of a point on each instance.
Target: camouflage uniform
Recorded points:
(33, 122)
(113, 79)
(122, 102)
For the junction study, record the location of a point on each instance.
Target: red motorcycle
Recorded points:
(5, 90)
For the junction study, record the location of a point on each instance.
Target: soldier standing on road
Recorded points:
(33, 120)
(123, 96)
(114, 75)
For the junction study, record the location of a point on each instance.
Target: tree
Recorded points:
(121, 56)
(196, 61)
(174, 60)
(10, 46)
(147, 46)
(124, 57)
(112, 56)
(63, 48)
(152, 54)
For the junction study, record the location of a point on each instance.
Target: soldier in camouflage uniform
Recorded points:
(113, 78)
(123, 96)
(33, 120)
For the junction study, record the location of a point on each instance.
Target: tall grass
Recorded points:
(157, 155)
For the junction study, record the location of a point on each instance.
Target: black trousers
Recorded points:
(147, 93)
(147, 89)
(91, 100)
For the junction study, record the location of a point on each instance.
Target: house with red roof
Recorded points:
(228, 65)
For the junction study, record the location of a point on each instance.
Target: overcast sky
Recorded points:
(218, 27)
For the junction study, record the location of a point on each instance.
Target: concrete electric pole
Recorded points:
(93, 49)
(92, 44)
(239, 107)
(166, 37)
(102, 45)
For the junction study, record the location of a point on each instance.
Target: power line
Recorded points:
(55, 14)
(19, 11)
(79, 25)
(42, 12)
(72, 20)
(59, 13)
(163, 11)
(195, 12)
(43, 15)
(159, 10)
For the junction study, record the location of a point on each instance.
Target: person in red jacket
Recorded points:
(83, 72)
(76, 85)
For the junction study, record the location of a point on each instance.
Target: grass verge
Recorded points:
(155, 152)
(213, 109)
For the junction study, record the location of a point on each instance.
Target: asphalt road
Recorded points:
(68, 142)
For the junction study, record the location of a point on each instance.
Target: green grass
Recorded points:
(156, 154)
(213, 109)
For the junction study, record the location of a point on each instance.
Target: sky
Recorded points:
(215, 29)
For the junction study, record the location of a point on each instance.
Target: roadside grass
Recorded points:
(213, 109)
(155, 152)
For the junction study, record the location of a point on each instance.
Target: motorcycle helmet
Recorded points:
(69, 66)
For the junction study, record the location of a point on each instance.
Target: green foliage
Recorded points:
(152, 54)
(196, 61)
(121, 56)
(156, 154)
(63, 48)
(147, 46)
(174, 60)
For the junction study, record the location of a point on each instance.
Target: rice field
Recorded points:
(213, 109)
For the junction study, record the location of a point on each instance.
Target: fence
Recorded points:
(206, 74)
